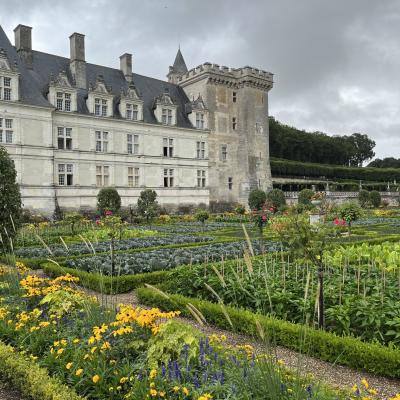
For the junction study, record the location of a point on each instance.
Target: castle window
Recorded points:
(168, 147)
(234, 97)
(64, 138)
(102, 175)
(6, 132)
(63, 101)
(168, 177)
(200, 120)
(234, 123)
(5, 88)
(101, 142)
(201, 178)
(201, 150)
(230, 183)
(133, 177)
(132, 144)
(166, 116)
(100, 107)
(224, 152)
(132, 112)
(65, 174)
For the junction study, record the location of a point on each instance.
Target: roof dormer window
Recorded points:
(62, 94)
(131, 105)
(5, 88)
(165, 109)
(100, 99)
(166, 117)
(198, 113)
(100, 107)
(63, 102)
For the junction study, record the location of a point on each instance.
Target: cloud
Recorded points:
(335, 63)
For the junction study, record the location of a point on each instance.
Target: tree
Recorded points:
(72, 219)
(350, 212)
(202, 216)
(108, 199)
(257, 199)
(363, 198)
(10, 201)
(147, 204)
(305, 197)
(276, 198)
(375, 198)
(363, 146)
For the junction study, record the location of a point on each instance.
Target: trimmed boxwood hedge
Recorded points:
(326, 346)
(107, 284)
(31, 380)
(281, 167)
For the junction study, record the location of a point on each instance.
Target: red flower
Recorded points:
(108, 213)
(264, 217)
(98, 222)
(271, 209)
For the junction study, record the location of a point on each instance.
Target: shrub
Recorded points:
(240, 209)
(375, 198)
(10, 201)
(276, 198)
(108, 199)
(350, 212)
(30, 379)
(305, 197)
(202, 216)
(327, 346)
(164, 218)
(147, 204)
(363, 197)
(257, 199)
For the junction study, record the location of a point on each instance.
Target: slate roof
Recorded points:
(34, 83)
(179, 63)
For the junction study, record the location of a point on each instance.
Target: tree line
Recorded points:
(388, 162)
(317, 147)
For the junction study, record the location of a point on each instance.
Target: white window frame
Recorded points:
(63, 101)
(102, 175)
(168, 177)
(166, 116)
(6, 130)
(200, 150)
(65, 173)
(132, 111)
(100, 107)
(200, 120)
(201, 178)
(64, 136)
(5, 88)
(168, 147)
(102, 141)
(132, 145)
(133, 176)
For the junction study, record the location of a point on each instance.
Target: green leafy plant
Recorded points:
(108, 199)
(305, 197)
(375, 198)
(350, 212)
(202, 216)
(276, 199)
(363, 197)
(147, 205)
(257, 199)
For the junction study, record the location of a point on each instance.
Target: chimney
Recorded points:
(126, 66)
(23, 43)
(77, 59)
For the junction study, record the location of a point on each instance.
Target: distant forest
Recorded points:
(388, 162)
(317, 147)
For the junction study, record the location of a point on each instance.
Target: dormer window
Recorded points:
(132, 111)
(62, 94)
(100, 107)
(165, 109)
(63, 101)
(5, 88)
(166, 116)
(131, 105)
(198, 113)
(9, 82)
(100, 99)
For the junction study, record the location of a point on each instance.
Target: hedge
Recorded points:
(107, 284)
(31, 380)
(343, 350)
(281, 167)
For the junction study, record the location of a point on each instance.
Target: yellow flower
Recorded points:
(205, 396)
(123, 380)
(60, 351)
(185, 391)
(153, 373)
(79, 372)
(373, 392)
(175, 389)
(161, 394)
(75, 341)
(365, 383)
(153, 392)
(69, 365)
(93, 349)
(106, 346)
(96, 378)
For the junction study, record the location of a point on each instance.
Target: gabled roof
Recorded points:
(34, 83)
(179, 63)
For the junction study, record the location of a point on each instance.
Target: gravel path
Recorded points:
(8, 394)
(334, 375)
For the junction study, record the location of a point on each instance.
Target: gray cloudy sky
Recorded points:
(336, 63)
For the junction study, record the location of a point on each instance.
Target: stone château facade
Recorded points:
(73, 127)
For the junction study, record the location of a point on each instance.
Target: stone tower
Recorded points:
(237, 101)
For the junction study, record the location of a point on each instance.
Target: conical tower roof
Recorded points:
(179, 63)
